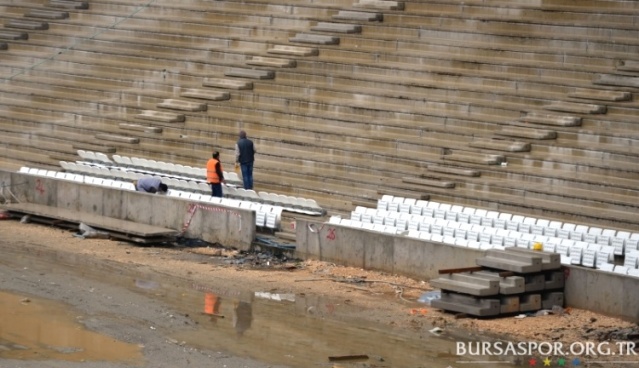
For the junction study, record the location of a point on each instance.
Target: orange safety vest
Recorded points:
(211, 174)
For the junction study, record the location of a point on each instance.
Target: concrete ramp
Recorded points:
(128, 230)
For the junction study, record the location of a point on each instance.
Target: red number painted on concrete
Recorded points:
(331, 234)
(39, 186)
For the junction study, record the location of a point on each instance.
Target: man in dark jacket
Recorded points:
(244, 156)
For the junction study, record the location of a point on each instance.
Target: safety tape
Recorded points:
(193, 207)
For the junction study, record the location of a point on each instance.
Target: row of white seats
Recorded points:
(266, 216)
(79, 178)
(480, 237)
(508, 221)
(289, 203)
(151, 167)
(168, 167)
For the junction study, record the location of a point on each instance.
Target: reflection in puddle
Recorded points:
(296, 330)
(37, 329)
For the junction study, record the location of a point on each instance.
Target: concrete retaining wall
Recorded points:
(598, 291)
(589, 289)
(373, 250)
(232, 227)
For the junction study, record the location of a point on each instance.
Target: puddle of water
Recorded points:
(39, 329)
(277, 328)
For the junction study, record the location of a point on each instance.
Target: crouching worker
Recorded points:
(151, 184)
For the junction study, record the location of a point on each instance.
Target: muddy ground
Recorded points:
(386, 301)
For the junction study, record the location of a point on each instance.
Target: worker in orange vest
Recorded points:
(215, 175)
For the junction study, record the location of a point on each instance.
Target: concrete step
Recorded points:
(467, 304)
(600, 94)
(161, 116)
(13, 35)
(509, 304)
(140, 128)
(510, 261)
(555, 280)
(227, 83)
(379, 5)
(479, 158)
(182, 105)
(68, 4)
(250, 73)
(530, 303)
(272, 62)
(527, 133)
(428, 182)
(551, 119)
(104, 148)
(337, 27)
(535, 282)
(507, 285)
(293, 50)
(117, 138)
(500, 145)
(31, 25)
(206, 94)
(549, 261)
(46, 14)
(628, 66)
(315, 39)
(454, 170)
(616, 80)
(359, 16)
(466, 283)
(549, 300)
(404, 193)
(577, 108)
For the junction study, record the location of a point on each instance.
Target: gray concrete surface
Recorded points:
(233, 227)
